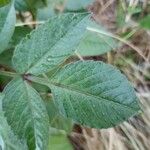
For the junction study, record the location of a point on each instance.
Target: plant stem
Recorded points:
(38, 80)
(32, 78)
(26, 77)
(8, 74)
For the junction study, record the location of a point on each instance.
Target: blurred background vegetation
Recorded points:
(121, 38)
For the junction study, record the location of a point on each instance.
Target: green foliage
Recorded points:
(59, 142)
(7, 25)
(145, 22)
(8, 140)
(71, 5)
(87, 89)
(45, 13)
(29, 118)
(19, 33)
(32, 5)
(78, 4)
(5, 58)
(56, 119)
(96, 44)
(48, 94)
(1, 97)
(133, 11)
(51, 44)
(4, 2)
(120, 15)
(56, 2)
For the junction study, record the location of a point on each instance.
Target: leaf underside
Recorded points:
(93, 94)
(26, 113)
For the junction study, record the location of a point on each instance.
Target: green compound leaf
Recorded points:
(94, 94)
(26, 113)
(7, 25)
(51, 44)
(8, 141)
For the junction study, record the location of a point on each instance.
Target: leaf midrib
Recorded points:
(30, 107)
(47, 52)
(88, 94)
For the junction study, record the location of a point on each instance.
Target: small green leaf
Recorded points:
(8, 141)
(51, 44)
(26, 113)
(145, 22)
(93, 94)
(96, 44)
(7, 25)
